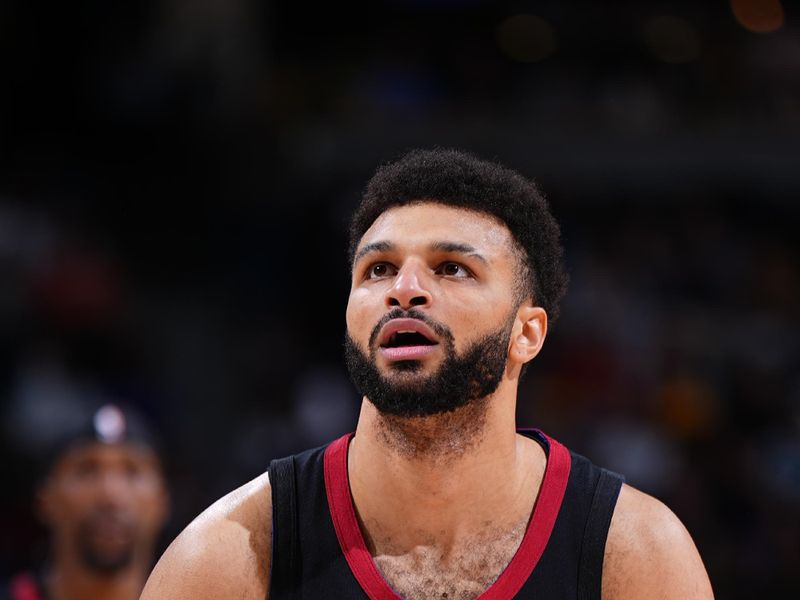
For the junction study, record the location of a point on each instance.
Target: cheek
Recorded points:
(359, 315)
(77, 493)
(152, 510)
(65, 510)
(471, 319)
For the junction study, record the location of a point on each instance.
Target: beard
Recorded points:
(104, 557)
(460, 380)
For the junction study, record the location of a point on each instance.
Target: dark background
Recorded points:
(176, 178)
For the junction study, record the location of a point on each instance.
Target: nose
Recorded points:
(409, 289)
(112, 487)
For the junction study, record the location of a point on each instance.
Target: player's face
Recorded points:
(433, 288)
(105, 504)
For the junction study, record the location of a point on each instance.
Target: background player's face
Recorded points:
(453, 269)
(105, 504)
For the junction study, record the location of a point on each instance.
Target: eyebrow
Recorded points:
(442, 246)
(374, 247)
(457, 247)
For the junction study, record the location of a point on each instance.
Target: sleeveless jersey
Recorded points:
(318, 550)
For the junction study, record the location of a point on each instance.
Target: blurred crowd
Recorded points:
(175, 184)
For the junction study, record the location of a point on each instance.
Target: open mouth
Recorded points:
(407, 339)
(402, 339)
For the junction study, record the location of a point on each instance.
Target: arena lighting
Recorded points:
(758, 16)
(672, 39)
(526, 38)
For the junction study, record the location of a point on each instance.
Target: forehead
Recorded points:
(105, 454)
(425, 222)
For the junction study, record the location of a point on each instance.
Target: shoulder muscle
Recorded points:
(649, 553)
(224, 553)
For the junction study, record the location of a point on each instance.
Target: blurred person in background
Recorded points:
(456, 269)
(103, 498)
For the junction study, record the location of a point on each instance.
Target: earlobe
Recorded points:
(44, 504)
(164, 507)
(528, 342)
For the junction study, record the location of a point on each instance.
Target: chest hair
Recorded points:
(462, 573)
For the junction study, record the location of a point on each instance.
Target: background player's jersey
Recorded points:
(24, 586)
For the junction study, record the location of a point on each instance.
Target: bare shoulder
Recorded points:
(224, 553)
(649, 553)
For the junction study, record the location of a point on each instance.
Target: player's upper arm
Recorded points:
(649, 554)
(224, 553)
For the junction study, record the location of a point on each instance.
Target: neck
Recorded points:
(443, 475)
(437, 440)
(70, 580)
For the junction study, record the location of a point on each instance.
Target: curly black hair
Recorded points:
(457, 178)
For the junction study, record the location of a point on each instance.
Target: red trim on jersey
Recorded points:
(24, 587)
(545, 511)
(511, 580)
(348, 532)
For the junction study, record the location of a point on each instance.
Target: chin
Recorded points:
(405, 366)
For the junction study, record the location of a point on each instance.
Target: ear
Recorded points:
(164, 505)
(45, 502)
(528, 334)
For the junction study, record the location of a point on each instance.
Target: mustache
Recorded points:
(101, 519)
(412, 313)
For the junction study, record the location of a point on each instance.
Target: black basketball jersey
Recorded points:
(318, 550)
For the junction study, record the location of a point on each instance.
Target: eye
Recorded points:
(453, 269)
(85, 469)
(132, 470)
(380, 270)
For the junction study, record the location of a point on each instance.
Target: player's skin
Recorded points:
(436, 520)
(109, 502)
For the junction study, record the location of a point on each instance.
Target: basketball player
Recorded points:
(456, 273)
(104, 500)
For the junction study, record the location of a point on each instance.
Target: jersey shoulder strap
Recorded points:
(590, 567)
(307, 561)
(284, 569)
